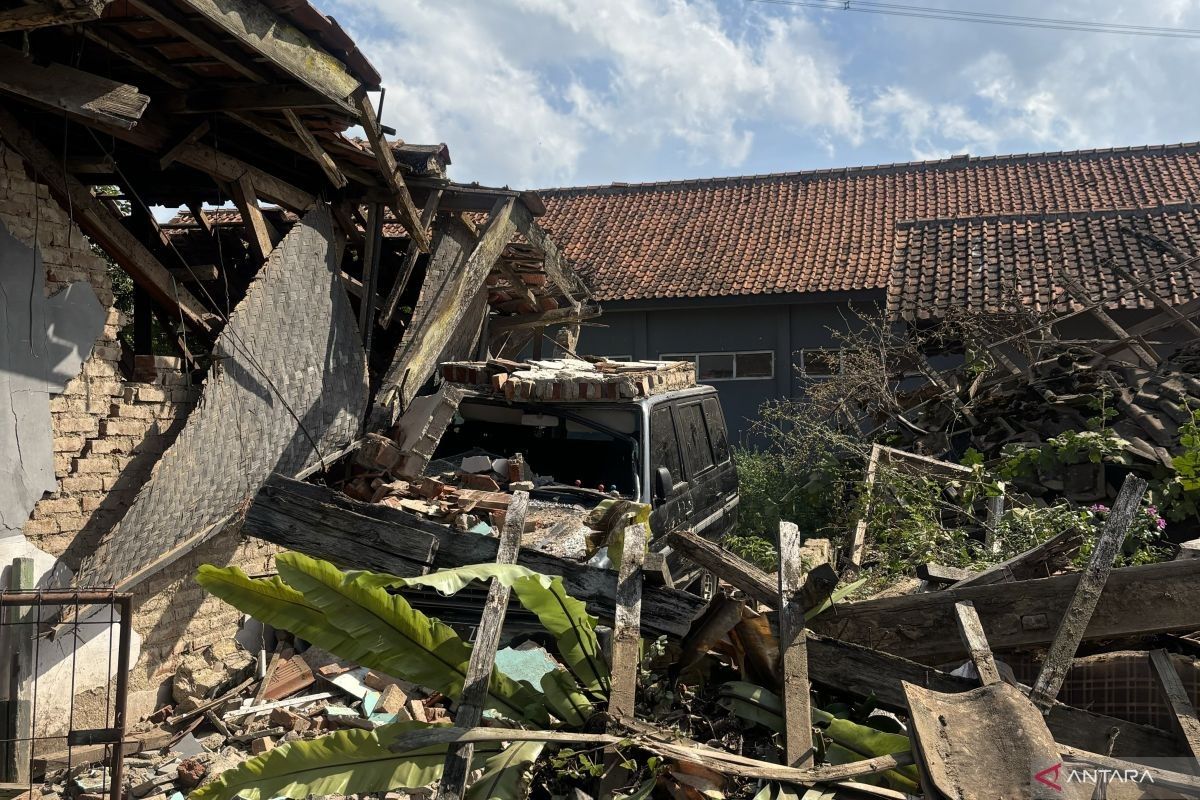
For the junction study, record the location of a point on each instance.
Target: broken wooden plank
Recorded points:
(259, 232)
(627, 625)
(248, 711)
(1177, 698)
(483, 654)
(559, 316)
(1136, 601)
(727, 566)
(71, 91)
(971, 631)
(318, 154)
(323, 523)
(1087, 593)
(373, 236)
(98, 223)
(1156, 776)
(1037, 562)
(793, 651)
(21, 629)
(859, 542)
(941, 575)
(401, 201)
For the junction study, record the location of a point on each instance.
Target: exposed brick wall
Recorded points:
(108, 433)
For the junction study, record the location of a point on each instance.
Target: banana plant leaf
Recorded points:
(506, 774)
(344, 762)
(838, 594)
(566, 618)
(641, 793)
(903, 779)
(363, 624)
(565, 700)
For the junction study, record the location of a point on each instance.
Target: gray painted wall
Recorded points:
(783, 327)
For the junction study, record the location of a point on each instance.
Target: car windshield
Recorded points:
(590, 447)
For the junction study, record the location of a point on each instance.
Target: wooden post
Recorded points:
(859, 542)
(625, 655)
(727, 566)
(1087, 594)
(370, 261)
(793, 651)
(19, 621)
(483, 655)
(1177, 697)
(971, 631)
(410, 262)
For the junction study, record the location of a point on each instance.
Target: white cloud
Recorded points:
(538, 92)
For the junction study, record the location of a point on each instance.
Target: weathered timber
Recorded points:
(98, 222)
(21, 629)
(976, 641)
(72, 91)
(410, 262)
(30, 15)
(1037, 562)
(370, 261)
(558, 316)
(145, 58)
(400, 200)
(627, 636)
(450, 291)
(1136, 601)
(253, 97)
(1177, 698)
(323, 523)
(318, 154)
(258, 230)
(172, 153)
(1163, 778)
(867, 673)
(483, 654)
(552, 260)
(169, 17)
(941, 575)
(256, 26)
(1087, 593)
(859, 542)
(726, 566)
(793, 652)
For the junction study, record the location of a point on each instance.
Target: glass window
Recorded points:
(677, 357)
(756, 365)
(821, 363)
(715, 366)
(693, 436)
(715, 421)
(664, 446)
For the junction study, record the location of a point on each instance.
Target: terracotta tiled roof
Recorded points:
(830, 230)
(987, 263)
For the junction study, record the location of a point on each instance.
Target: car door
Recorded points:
(670, 499)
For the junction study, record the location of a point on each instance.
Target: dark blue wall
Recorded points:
(784, 326)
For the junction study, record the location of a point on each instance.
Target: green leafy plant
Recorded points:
(355, 616)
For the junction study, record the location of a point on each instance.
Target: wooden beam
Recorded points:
(286, 139)
(552, 260)
(29, 16)
(727, 566)
(255, 97)
(793, 651)
(168, 158)
(483, 653)
(139, 54)
(1138, 346)
(1177, 698)
(449, 292)
(870, 674)
(259, 232)
(1136, 601)
(325, 524)
(21, 630)
(106, 230)
(370, 261)
(627, 625)
(1075, 621)
(1160, 302)
(558, 316)
(859, 542)
(971, 631)
(228, 169)
(195, 273)
(1038, 562)
(255, 26)
(400, 200)
(410, 262)
(79, 94)
(318, 154)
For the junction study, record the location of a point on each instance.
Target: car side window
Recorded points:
(715, 421)
(693, 435)
(664, 446)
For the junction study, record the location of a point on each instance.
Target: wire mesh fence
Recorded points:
(56, 647)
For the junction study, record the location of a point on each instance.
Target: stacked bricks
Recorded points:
(107, 435)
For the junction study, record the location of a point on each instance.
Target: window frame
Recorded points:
(695, 359)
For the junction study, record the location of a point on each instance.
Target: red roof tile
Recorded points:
(830, 230)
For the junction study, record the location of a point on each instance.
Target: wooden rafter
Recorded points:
(188, 138)
(257, 97)
(29, 16)
(410, 263)
(401, 201)
(138, 54)
(97, 222)
(314, 149)
(258, 230)
(77, 93)
(284, 138)
(170, 19)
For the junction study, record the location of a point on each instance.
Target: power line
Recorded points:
(987, 18)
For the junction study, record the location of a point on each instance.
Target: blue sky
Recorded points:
(539, 93)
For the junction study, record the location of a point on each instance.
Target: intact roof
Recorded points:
(834, 229)
(995, 264)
